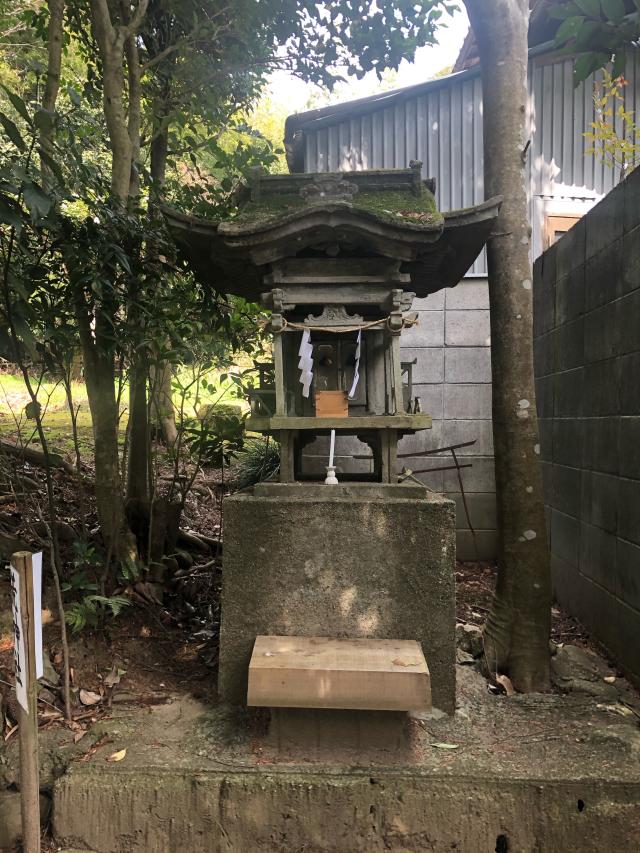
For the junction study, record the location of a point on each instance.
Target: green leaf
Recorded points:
(44, 120)
(36, 199)
(569, 28)
(18, 104)
(12, 132)
(10, 213)
(619, 62)
(614, 10)
(590, 7)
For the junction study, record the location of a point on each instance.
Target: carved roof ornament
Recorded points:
(328, 188)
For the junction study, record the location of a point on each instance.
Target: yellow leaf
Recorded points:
(118, 756)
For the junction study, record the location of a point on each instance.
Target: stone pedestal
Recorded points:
(353, 560)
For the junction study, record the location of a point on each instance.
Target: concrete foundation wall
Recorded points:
(587, 359)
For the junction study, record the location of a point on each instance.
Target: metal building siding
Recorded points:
(443, 129)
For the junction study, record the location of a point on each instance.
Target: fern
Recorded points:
(91, 609)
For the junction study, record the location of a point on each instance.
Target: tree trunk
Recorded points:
(54, 60)
(518, 626)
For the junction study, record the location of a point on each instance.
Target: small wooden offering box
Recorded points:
(332, 404)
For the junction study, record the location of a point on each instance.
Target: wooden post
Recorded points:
(22, 562)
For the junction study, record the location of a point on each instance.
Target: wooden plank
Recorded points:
(323, 672)
(351, 424)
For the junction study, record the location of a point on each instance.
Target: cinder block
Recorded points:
(628, 573)
(628, 509)
(467, 364)
(631, 259)
(603, 276)
(601, 333)
(484, 546)
(570, 345)
(482, 510)
(598, 556)
(429, 331)
(421, 467)
(545, 386)
(629, 389)
(479, 478)
(469, 294)
(570, 249)
(545, 353)
(570, 296)
(565, 537)
(565, 490)
(458, 432)
(430, 364)
(430, 399)
(630, 447)
(601, 388)
(600, 447)
(467, 328)
(545, 431)
(568, 393)
(568, 438)
(601, 493)
(544, 305)
(426, 439)
(631, 186)
(464, 402)
(433, 302)
(628, 320)
(604, 223)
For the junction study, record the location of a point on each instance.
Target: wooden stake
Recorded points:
(28, 720)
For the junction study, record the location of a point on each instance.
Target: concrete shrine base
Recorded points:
(535, 774)
(353, 560)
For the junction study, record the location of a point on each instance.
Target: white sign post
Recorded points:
(26, 585)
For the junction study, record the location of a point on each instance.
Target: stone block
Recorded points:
(628, 572)
(598, 556)
(426, 439)
(628, 320)
(604, 223)
(570, 250)
(430, 365)
(631, 260)
(631, 186)
(428, 332)
(467, 329)
(630, 447)
(482, 510)
(338, 565)
(568, 438)
(479, 478)
(570, 296)
(601, 333)
(628, 509)
(544, 305)
(570, 342)
(431, 399)
(600, 493)
(467, 402)
(600, 444)
(484, 546)
(433, 302)
(467, 364)
(629, 381)
(565, 537)
(458, 432)
(470, 294)
(601, 388)
(565, 490)
(603, 276)
(568, 393)
(545, 353)
(545, 387)
(545, 430)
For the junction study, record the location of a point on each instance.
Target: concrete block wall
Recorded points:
(587, 361)
(453, 380)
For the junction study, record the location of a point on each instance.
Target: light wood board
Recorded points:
(323, 672)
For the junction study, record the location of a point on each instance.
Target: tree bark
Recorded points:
(54, 62)
(518, 626)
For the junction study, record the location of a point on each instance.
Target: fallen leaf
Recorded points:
(117, 756)
(114, 676)
(505, 681)
(78, 736)
(445, 745)
(622, 710)
(88, 697)
(398, 662)
(610, 679)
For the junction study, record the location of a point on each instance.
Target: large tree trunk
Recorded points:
(517, 629)
(54, 61)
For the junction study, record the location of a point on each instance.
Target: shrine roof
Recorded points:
(388, 213)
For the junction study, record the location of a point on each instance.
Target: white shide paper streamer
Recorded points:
(356, 369)
(306, 362)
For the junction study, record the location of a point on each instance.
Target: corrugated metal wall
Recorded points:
(442, 127)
